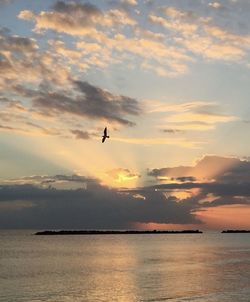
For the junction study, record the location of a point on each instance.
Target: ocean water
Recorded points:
(124, 268)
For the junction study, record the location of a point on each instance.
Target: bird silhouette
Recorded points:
(104, 135)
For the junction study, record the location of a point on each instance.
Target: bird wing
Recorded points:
(105, 131)
(103, 139)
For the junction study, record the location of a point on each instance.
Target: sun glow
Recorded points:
(89, 158)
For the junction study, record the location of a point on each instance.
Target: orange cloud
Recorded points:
(207, 168)
(185, 143)
(201, 36)
(194, 115)
(225, 217)
(85, 20)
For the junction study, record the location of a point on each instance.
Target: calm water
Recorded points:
(208, 267)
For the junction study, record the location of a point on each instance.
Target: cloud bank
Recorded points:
(75, 201)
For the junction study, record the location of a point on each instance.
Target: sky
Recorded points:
(170, 81)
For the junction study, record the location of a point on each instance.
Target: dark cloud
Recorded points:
(85, 9)
(74, 177)
(79, 134)
(26, 64)
(95, 206)
(5, 66)
(7, 127)
(103, 103)
(17, 44)
(227, 190)
(92, 102)
(169, 172)
(185, 178)
(172, 131)
(85, 14)
(224, 176)
(63, 201)
(23, 91)
(227, 200)
(42, 179)
(239, 173)
(4, 100)
(216, 188)
(13, 49)
(213, 181)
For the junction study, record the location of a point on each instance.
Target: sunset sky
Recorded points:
(170, 80)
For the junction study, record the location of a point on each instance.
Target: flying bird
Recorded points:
(104, 135)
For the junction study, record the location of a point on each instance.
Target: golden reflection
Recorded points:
(162, 226)
(117, 256)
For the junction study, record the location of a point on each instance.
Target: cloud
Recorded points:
(17, 118)
(92, 27)
(71, 18)
(239, 173)
(50, 93)
(22, 55)
(181, 142)
(130, 2)
(201, 36)
(205, 194)
(195, 115)
(94, 206)
(75, 18)
(154, 106)
(172, 131)
(15, 206)
(183, 27)
(214, 183)
(220, 182)
(17, 44)
(185, 179)
(60, 181)
(202, 116)
(209, 168)
(3, 127)
(215, 5)
(75, 201)
(79, 134)
(178, 37)
(91, 102)
(189, 126)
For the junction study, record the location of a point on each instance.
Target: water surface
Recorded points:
(190, 267)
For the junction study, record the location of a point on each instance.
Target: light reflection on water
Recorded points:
(207, 267)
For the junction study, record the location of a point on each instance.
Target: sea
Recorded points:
(124, 268)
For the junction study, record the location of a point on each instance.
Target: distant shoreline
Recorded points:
(113, 232)
(235, 231)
